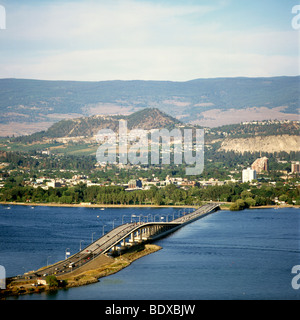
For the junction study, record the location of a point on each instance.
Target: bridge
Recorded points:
(123, 237)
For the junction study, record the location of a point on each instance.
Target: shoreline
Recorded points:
(223, 205)
(85, 205)
(84, 277)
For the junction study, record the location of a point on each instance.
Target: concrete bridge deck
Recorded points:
(122, 237)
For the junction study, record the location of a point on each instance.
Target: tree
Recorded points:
(283, 197)
(52, 281)
(158, 200)
(239, 205)
(246, 194)
(141, 197)
(250, 202)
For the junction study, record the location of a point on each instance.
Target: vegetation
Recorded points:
(241, 195)
(264, 128)
(52, 281)
(148, 118)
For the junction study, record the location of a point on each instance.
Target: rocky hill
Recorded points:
(268, 144)
(265, 136)
(87, 127)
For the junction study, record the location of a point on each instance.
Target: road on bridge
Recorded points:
(114, 237)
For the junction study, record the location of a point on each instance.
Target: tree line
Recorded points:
(240, 195)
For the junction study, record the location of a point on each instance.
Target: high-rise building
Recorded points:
(260, 164)
(295, 167)
(248, 175)
(132, 184)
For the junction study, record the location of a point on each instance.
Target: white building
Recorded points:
(248, 175)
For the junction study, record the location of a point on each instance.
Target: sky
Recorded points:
(176, 40)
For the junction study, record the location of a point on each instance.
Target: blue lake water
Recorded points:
(226, 255)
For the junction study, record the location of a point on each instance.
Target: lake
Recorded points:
(226, 255)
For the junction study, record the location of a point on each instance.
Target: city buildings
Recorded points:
(295, 167)
(248, 175)
(260, 165)
(134, 184)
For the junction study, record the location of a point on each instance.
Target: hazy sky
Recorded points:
(175, 40)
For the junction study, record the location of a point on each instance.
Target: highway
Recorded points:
(115, 236)
(90, 252)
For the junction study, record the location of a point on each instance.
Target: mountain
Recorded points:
(87, 127)
(264, 136)
(29, 106)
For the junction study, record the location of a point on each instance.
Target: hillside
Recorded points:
(265, 136)
(28, 106)
(268, 144)
(150, 118)
(262, 136)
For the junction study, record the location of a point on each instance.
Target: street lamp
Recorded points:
(80, 245)
(164, 215)
(92, 236)
(124, 215)
(179, 212)
(67, 253)
(135, 216)
(103, 229)
(114, 223)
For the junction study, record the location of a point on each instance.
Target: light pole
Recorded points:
(80, 245)
(163, 217)
(179, 213)
(67, 253)
(154, 217)
(124, 215)
(114, 223)
(92, 236)
(103, 229)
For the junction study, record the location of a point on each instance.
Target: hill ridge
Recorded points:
(198, 100)
(149, 118)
